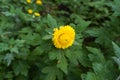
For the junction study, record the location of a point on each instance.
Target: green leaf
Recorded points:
(53, 55)
(117, 54)
(14, 49)
(51, 21)
(77, 56)
(115, 4)
(19, 43)
(47, 69)
(96, 55)
(68, 54)
(47, 37)
(1, 58)
(81, 23)
(49, 31)
(8, 58)
(3, 47)
(105, 70)
(32, 38)
(9, 75)
(116, 49)
(89, 76)
(62, 63)
(8, 14)
(94, 32)
(20, 67)
(26, 30)
(98, 68)
(37, 51)
(51, 76)
(117, 60)
(52, 73)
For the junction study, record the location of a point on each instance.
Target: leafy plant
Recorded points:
(59, 40)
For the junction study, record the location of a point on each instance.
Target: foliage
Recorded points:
(27, 51)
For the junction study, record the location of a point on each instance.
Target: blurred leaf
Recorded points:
(47, 37)
(96, 55)
(116, 49)
(37, 51)
(89, 76)
(8, 58)
(81, 23)
(62, 64)
(51, 21)
(20, 67)
(3, 47)
(53, 55)
(115, 4)
(117, 54)
(52, 73)
(32, 39)
(94, 32)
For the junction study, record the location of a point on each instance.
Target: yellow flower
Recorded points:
(39, 2)
(63, 37)
(30, 11)
(28, 1)
(37, 14)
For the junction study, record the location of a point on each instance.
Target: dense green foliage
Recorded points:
(27, 51)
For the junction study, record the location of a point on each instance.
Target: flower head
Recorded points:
(39, 2)
(37, 14)
(63, 37)
(30, 11)
(28, 1)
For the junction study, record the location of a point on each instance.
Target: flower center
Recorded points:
(64, 39)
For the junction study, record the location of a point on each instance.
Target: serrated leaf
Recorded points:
(32, 39)
(19, 43)
(115, 7)
(37, 51)
(8, 58)
(49, 31)
(77, 56)
(62, 63)
(52, 73)
(117, 60)
(51, 21)
(92, 31)
(53, 55)
(26, 30)
(3, 47)
(81, 23)
(116, 49)
(46, 69)
(89, 76)
(14, 49)
(9, 75)
(47, 37)
(20, 68)
(84, 25)
(117, 54)
(51, 76)
(96, 56)
(68, 54)
(98, 68)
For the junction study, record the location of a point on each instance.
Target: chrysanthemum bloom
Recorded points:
(37, 14)
(39, 2)
(30, 11)
(28, 1)
(63, 37)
